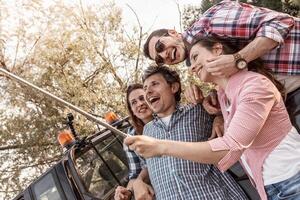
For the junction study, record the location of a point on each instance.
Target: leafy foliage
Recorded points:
(192, 13)
(81, 53)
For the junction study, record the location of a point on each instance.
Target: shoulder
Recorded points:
(149, 125)
(252, 85)
(256, 80)
(195, 110)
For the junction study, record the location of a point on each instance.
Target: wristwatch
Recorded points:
(240, 62)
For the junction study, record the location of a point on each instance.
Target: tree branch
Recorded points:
(179, 11)
(139, 44)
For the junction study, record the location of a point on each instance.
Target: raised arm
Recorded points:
(262, 29)
(224, 65)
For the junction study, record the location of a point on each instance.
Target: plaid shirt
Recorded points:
(173, 178)
(135, 162)
(240, 23)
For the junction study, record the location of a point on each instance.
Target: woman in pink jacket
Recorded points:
(258, 131)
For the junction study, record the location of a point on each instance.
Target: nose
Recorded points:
(163, 54)
(148, 92)
(193, 68)
(139, 103)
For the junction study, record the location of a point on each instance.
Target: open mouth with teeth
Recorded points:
(199, 69)
(173, 54)
(153, 100)
(143, 109)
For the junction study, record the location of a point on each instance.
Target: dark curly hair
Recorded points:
(171, 76)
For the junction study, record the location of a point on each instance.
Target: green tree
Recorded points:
(274, 4)
(292, 7)
(79, 52)
(288, 6)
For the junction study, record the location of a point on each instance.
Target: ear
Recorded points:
(218, 49)
(175, 87)
(173, 32)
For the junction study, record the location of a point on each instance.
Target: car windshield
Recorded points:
(103, 167)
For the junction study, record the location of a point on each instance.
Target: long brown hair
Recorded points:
(256, 65)
(137, 123)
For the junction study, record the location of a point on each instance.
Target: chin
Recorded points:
(153, 109)
(204, 79)
(156, 110)
(208, 78)
(175, 62)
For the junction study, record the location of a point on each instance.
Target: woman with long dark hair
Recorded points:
(139, 114)
(258, 131)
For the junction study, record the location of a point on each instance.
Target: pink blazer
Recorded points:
(255, 120)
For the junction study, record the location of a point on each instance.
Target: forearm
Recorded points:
(144, 176)
(257, 48)
(195, 151)
(130, 184)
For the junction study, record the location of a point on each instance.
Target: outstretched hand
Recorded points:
(223, 66)
(145, 146)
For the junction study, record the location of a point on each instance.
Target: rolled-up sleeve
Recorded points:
(275, 27)
(255, 102)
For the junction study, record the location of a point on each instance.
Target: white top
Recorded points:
(284, 161)
(246, 166)
(166, 120)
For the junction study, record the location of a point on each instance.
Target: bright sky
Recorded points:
(154, 14)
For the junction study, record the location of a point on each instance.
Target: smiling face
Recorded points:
(168, 49)
(160, 95)
(139, 105)
(199, 56)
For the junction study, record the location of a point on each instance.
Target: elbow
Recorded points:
(269, 44)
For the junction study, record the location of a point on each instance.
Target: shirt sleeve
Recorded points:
(232, 20)
(135, 163)
(255, 102)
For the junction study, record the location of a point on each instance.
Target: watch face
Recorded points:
(242, 64)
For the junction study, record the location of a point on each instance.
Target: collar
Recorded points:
(178, 108)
